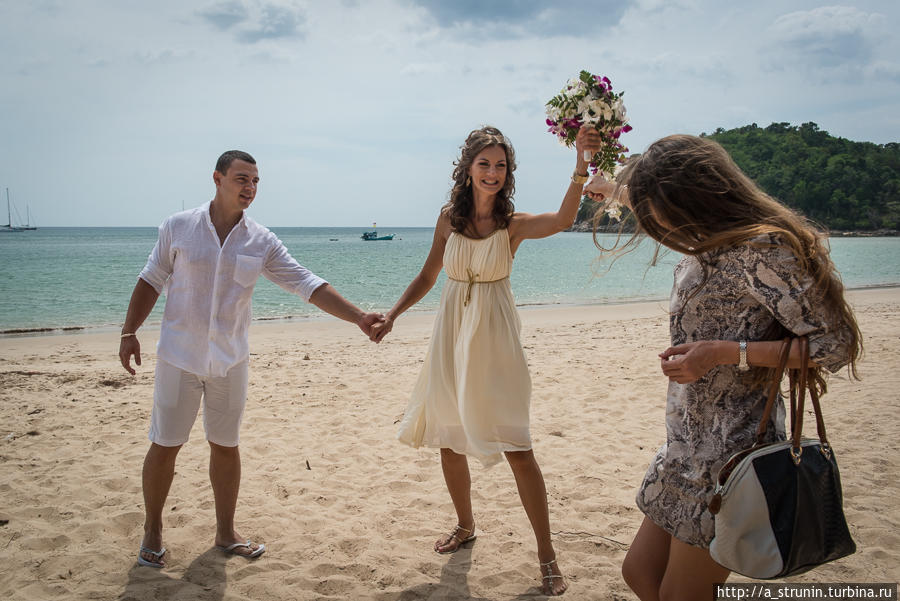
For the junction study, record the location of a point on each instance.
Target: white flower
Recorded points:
(583, 106)
(603, 109)
(614, 210)
(619, 109)
(575, 88)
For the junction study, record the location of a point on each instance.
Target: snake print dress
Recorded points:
(753, 290)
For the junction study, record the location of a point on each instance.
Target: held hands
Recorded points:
(368, 321)
(689, 362)
(128, 347)
(380, 330)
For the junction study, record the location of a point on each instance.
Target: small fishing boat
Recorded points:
(373, 235)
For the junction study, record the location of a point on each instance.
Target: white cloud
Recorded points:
(830, 36)
(827, 21)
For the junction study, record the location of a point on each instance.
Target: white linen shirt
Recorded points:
(209, 287)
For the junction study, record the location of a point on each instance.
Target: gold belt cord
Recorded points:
(471, 281)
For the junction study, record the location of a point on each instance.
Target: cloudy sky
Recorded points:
(112, 112)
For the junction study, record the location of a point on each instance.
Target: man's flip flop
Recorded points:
(231, 550)
(156, 554)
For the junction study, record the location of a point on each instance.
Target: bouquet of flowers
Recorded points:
(590, 100)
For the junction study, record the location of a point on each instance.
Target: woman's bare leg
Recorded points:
(659, 567)
(690, 574)
(459, 485)
(645, 563)
(532, 491)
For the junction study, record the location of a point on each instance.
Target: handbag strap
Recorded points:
(798, 379)
(806, 381)
(820, 422)
(792, 386)
(774, 385)
(800, 383)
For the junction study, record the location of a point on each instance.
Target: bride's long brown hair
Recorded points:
(687, 194)
(461, 206)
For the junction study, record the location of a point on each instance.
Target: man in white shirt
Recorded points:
(208, 260)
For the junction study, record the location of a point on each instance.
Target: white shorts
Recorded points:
(176, 400)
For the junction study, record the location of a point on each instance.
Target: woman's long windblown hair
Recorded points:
(687, 194)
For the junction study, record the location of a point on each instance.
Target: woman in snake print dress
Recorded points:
(753, 273)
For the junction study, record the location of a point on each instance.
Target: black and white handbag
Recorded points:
(779, 506)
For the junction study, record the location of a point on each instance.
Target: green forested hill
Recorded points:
(841, 184)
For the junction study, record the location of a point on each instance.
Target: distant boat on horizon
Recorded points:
(9, 227)
(373, 235)
(28, 225)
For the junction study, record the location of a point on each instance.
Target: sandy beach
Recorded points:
(346, 511)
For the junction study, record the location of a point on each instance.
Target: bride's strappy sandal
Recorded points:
(460, 541)
(546, 567)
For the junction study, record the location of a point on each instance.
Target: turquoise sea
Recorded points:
(76, 278)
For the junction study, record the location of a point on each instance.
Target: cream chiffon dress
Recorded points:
(474, 391)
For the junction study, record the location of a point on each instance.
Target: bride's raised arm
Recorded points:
(526, 226)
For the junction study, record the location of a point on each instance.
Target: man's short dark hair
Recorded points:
(230, 156)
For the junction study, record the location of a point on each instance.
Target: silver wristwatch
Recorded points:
(742, 356)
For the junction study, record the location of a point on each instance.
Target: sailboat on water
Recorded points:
(28, 225)
(9, 227)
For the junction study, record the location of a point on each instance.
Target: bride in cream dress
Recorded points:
(473, 394)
